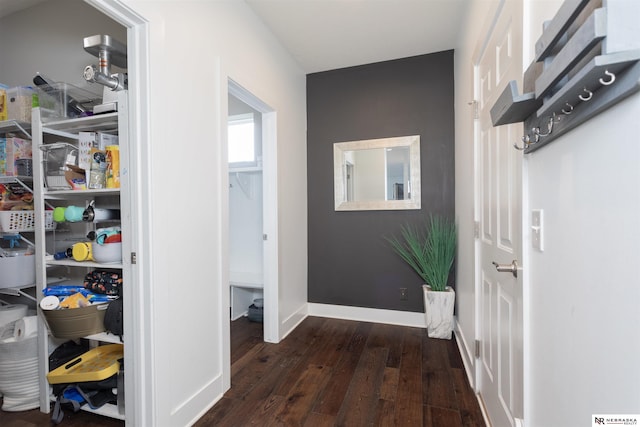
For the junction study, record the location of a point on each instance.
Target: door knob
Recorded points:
(507, 268)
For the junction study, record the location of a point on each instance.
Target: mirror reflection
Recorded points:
(377, 174)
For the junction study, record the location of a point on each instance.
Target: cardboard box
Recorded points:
(86, 141)
(76, 177)
(3, 103)
(105, 139)
(12, 149)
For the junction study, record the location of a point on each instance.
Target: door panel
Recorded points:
(500, 216)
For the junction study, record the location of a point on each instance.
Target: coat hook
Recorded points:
(526, 140)
(586, 97)
(612, 78)
(537, 133)
(536, 136)
(570, 109)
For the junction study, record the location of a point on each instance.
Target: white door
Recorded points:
(499, 212)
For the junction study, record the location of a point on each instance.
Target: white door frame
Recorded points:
(486, 35)
(269, 210)
(138, 323)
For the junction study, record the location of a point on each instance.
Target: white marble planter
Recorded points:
(438, 310)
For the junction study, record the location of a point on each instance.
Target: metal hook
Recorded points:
(612, 78)
(587, 97)
(526, 140)
(536, 136)
(570, 109)
(536, 130)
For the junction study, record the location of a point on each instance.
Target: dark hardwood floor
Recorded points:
(329, 372)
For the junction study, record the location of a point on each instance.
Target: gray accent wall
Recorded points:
(350, 263)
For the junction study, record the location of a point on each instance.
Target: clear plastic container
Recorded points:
(59, 101)
(56, 158)
(19, 103)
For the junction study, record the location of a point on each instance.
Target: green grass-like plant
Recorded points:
(429, 249)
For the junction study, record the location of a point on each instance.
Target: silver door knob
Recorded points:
(507, 268)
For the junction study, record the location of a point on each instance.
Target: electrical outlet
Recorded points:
(404, 294)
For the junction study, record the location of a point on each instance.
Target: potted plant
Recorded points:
(430, 250)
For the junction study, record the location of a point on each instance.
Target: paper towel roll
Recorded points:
(11, 312)
(25, 328)
(49, 303)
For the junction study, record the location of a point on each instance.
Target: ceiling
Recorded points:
(329, 34)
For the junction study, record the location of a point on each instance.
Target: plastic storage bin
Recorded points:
(56, 158)
(17, 271)
(22, 221)
(24, 167)
(95, 365)
(20, 103)
(76, 322)
(59, 101)
(255, 314)
(13, 153)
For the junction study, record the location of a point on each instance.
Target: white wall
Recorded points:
(245, 211)
(582, 343)
(194, 47)
(584, 315)
(245, 227)
(584, 286)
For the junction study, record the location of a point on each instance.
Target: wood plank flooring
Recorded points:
(331, 372)
(328, 372)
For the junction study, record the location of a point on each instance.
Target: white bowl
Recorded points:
(108, 253)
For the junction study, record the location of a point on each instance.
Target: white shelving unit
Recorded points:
(14, 126)
(50, 242)
(8, 225)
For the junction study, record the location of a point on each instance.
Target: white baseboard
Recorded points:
(243, 314)
(469, 368)
(466, 353)
(292, 322)
(375, 315)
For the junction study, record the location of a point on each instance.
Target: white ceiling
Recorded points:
(329, 34)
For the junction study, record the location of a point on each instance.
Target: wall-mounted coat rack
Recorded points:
(587, 60)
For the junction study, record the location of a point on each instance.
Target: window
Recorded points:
(242, 140)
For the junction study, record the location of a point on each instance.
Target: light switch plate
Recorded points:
(537, 240)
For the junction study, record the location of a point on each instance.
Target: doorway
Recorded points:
(252, 210)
